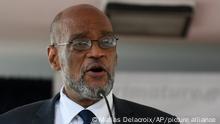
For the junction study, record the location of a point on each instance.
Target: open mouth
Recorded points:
(96, 70)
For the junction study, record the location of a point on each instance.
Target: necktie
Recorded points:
(87, 117)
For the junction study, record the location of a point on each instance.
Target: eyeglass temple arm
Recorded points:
(59, 44)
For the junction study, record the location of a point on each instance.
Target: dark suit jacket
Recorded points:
(43, 112)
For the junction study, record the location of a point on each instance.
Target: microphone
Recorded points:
(101, 93)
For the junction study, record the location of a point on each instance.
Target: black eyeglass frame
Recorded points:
(114, 36)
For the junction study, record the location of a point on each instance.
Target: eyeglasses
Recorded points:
(106, 42)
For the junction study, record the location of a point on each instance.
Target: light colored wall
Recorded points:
(24, 58)
(186, 95)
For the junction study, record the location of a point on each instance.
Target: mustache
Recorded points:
(93, 66)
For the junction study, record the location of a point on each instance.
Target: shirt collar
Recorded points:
(69, 109)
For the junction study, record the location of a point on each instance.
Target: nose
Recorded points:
(95, 51)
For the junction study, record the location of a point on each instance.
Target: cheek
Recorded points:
(72, 64)
(75, 65)
(112, 61)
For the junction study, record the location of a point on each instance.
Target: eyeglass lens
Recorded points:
(85, 44)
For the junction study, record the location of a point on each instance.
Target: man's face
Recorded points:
(88, 71)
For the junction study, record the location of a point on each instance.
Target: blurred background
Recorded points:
(168, 53)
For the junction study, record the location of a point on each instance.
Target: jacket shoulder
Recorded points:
(21, 114)
(143, 108)
(142, 111)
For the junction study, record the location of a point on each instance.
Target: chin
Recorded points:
(97, 83)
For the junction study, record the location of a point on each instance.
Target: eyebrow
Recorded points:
(77, 35)
(82, 34)
(106, 32)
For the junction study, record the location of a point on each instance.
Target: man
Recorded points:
(83, 49)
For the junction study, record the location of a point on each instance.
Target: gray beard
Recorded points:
(86, 92)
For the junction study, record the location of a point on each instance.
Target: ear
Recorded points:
(53, 58)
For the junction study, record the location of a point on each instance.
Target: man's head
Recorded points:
(85, 68)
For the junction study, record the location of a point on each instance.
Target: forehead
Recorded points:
(86, 20)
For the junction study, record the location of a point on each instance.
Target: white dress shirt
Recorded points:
(66, 110)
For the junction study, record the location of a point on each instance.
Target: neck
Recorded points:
(76, 98)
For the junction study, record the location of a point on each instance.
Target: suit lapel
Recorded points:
(46, 113)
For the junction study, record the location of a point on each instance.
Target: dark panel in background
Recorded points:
(150, 19)
(20, 91)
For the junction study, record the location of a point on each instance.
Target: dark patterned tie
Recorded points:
(87, 116)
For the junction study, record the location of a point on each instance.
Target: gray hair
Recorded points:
(59, 29)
